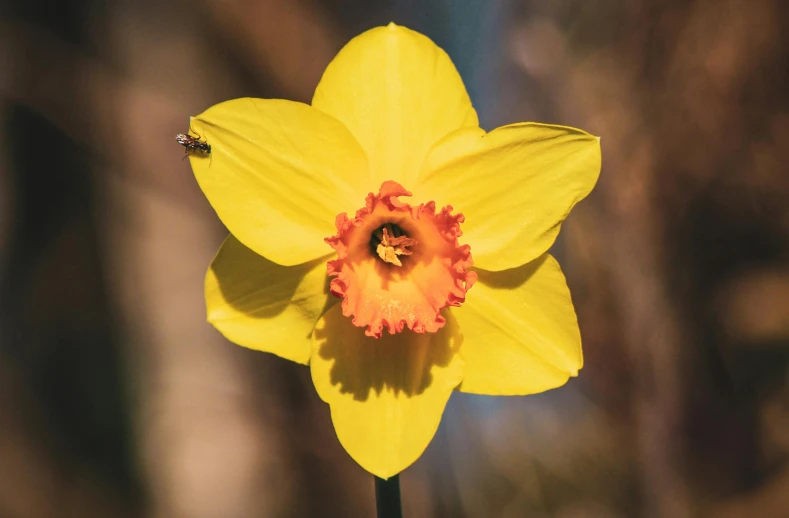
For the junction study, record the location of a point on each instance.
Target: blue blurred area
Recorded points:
(471, 33)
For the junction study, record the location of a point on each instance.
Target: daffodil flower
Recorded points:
(386, 196)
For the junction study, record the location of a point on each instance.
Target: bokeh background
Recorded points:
(118, 400)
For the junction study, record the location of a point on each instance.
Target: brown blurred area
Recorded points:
(118, 400)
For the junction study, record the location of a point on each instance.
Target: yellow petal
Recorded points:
(386, 395)
(278, 174)
(265, 306)
(399, 94)
(515, 185)
(520, 334)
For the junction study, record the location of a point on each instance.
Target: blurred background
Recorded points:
(118, 400)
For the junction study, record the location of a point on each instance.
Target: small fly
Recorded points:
(193, 144)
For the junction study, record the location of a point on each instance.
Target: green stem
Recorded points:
(387, 497)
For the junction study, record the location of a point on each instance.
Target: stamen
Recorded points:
(389, 245)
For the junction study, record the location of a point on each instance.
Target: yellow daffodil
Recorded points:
(426, 308)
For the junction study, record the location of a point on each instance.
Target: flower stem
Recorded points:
(387, 497)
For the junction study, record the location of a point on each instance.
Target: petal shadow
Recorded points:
(512, 278)
(260, 288)
(403, 363)
(263, 305)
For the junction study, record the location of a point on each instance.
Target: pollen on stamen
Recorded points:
(399, 265)
(390, 242)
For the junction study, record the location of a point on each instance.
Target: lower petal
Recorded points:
(387, 394)
(520, 334)
(265, 306)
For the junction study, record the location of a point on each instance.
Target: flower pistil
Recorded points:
(389, 246)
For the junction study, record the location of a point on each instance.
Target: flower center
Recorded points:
(390, 241)
(399, 265)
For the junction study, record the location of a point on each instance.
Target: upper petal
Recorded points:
(278, 173)
(387, 394)
(515, 185)
(520, 334)
(263, 305)
(399, 94)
